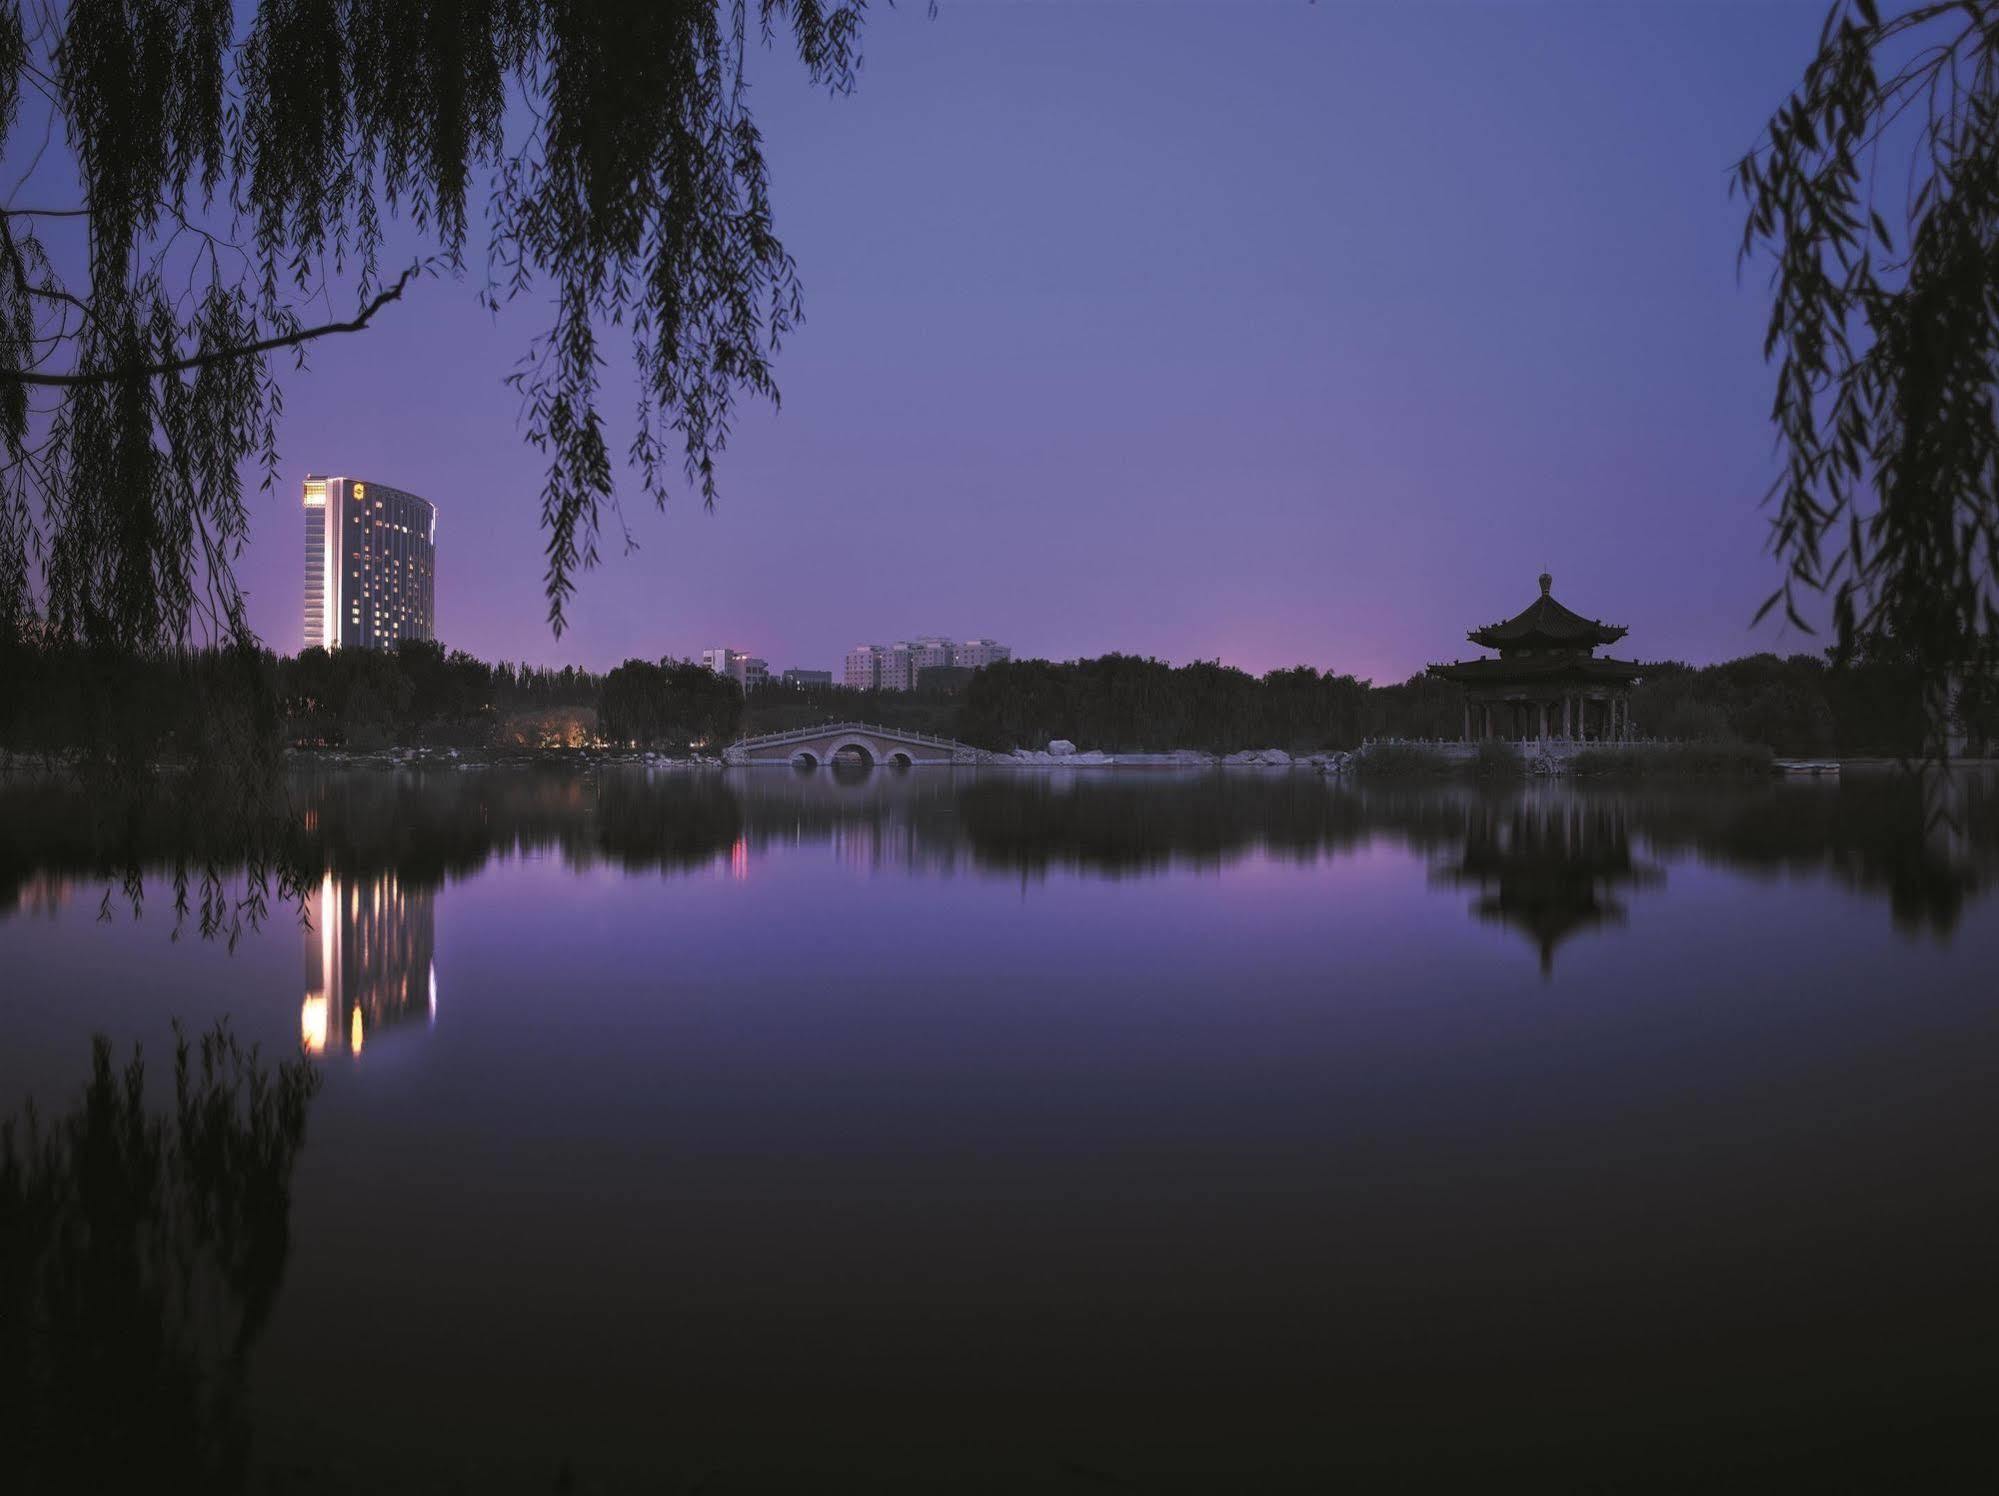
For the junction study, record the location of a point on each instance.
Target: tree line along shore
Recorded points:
(60, 701)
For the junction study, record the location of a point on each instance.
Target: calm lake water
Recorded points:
(1086, 1131)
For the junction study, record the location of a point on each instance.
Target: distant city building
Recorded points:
(746, 670)
(797, 679)
(900, 666)
(864, 668)
(370, 565)
(975, 654)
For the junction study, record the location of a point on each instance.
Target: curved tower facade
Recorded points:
(370, 565)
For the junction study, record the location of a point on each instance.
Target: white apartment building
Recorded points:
(864, 668)
(975, 653)
(746, 670)
(900, 666)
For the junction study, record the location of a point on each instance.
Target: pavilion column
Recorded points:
(1542, 712)
(1467, 720)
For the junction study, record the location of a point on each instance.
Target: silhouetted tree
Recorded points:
(140, 1258)
(674, 703)
(1885, 332)
(231, 184)
(1123, 703)
(632, 707)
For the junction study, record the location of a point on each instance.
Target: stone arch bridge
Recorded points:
(861, 742)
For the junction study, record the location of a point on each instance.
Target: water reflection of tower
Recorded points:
(368, 960)
(1548, 867)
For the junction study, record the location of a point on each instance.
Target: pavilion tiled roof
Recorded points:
(1545, 623)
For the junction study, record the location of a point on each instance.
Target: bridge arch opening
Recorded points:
(901, 760)
(805, 758)
(853, 754)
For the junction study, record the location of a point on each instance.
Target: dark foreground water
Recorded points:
(1234, 1132)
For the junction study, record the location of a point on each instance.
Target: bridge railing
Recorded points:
(828, 729)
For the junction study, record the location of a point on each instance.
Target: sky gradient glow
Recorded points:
(1269, 331)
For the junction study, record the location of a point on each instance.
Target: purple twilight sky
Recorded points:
(1274, 331)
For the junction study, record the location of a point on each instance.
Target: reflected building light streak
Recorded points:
(42, 895)
(368, 960)
(312, 1023)
(739, 859)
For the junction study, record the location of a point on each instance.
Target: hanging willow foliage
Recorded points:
(1875, 196)
(229, 184)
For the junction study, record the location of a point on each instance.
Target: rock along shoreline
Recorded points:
(1061, 754)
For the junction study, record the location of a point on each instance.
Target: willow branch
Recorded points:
(216, 355)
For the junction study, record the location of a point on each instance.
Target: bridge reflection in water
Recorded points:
(368, 960)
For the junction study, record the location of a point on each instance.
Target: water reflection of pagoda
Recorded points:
(1549, 867)
(368, 960)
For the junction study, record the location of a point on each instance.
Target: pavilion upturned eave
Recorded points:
(1546, 624)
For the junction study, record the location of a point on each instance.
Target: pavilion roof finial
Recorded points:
(1547, 582)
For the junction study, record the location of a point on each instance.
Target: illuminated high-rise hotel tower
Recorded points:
(370, 564)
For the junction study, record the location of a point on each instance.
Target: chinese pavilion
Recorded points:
(1548, 681)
